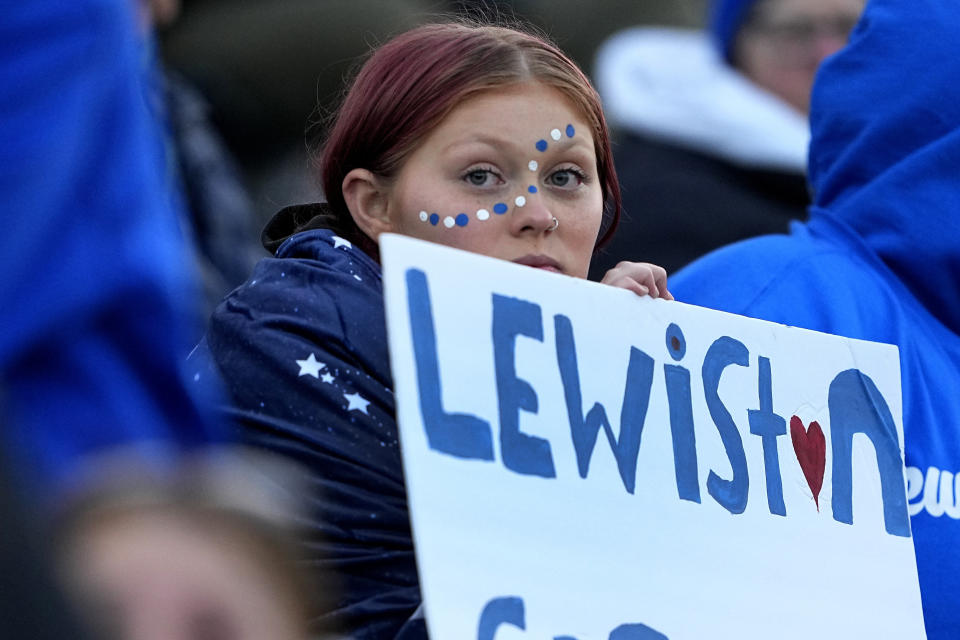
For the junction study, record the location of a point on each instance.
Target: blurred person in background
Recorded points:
(100, 302)
(97, 282)
(219, 214)
(712, 126)
(204, 553)
(879, 258)
(96, 275)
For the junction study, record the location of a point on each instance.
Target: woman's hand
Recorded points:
(643, 278)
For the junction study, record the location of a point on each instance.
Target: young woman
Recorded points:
(481, 138)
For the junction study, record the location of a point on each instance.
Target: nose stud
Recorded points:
(553, 227)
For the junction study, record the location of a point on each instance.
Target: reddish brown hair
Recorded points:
(410, 83)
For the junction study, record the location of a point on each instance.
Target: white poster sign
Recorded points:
(585, 463)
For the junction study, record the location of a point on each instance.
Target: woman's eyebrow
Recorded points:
(572, 143)
(486, 139)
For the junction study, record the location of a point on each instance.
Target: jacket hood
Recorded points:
(885, 149)
(672, 85)
(726, 19)
(295, 219)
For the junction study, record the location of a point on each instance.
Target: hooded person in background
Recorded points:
(96, 420)
(96, 287)
(711, 125)
(879, 258)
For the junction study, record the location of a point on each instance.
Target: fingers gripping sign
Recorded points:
(642, 278)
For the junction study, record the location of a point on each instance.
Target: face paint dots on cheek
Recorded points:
(555, 134)
(520, 201)
(532, 165)
(570, 131)
(532, 189)
(482, 214)
(461, 219)
(500, 208)
(541, 145)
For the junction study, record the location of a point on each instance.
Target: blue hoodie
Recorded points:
(96, 289)
(879, 258)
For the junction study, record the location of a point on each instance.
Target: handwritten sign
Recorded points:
(584, 463)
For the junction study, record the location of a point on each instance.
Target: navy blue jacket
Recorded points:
(879, 258)
(301, 348)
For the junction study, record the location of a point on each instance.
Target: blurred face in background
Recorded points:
(158, 575)
(157, 13)
(783, 42)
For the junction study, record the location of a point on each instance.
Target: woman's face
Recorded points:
(493, 175)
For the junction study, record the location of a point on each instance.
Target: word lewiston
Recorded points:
(855, 406)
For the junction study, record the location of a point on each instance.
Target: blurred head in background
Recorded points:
(779, 44)
(158, 13)
(205, 554)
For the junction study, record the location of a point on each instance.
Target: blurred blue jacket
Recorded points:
(880, 257)
(96, 283)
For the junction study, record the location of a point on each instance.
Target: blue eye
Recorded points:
(569, 178)
(482, 177)
(477, 178)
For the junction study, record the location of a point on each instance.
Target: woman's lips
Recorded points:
(540, 262)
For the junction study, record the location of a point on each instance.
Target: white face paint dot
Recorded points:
(448, 222)
(482, 214)
(520, 201)
(555, 134)
(424, 216)
(533, 165)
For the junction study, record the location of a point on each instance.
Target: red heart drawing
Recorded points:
(811, 449)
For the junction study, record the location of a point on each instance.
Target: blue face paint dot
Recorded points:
(676, 343)
(462, 219)
(541, 145)
(500, 208)
(570, 130)
(532, 189)
(434, 219)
